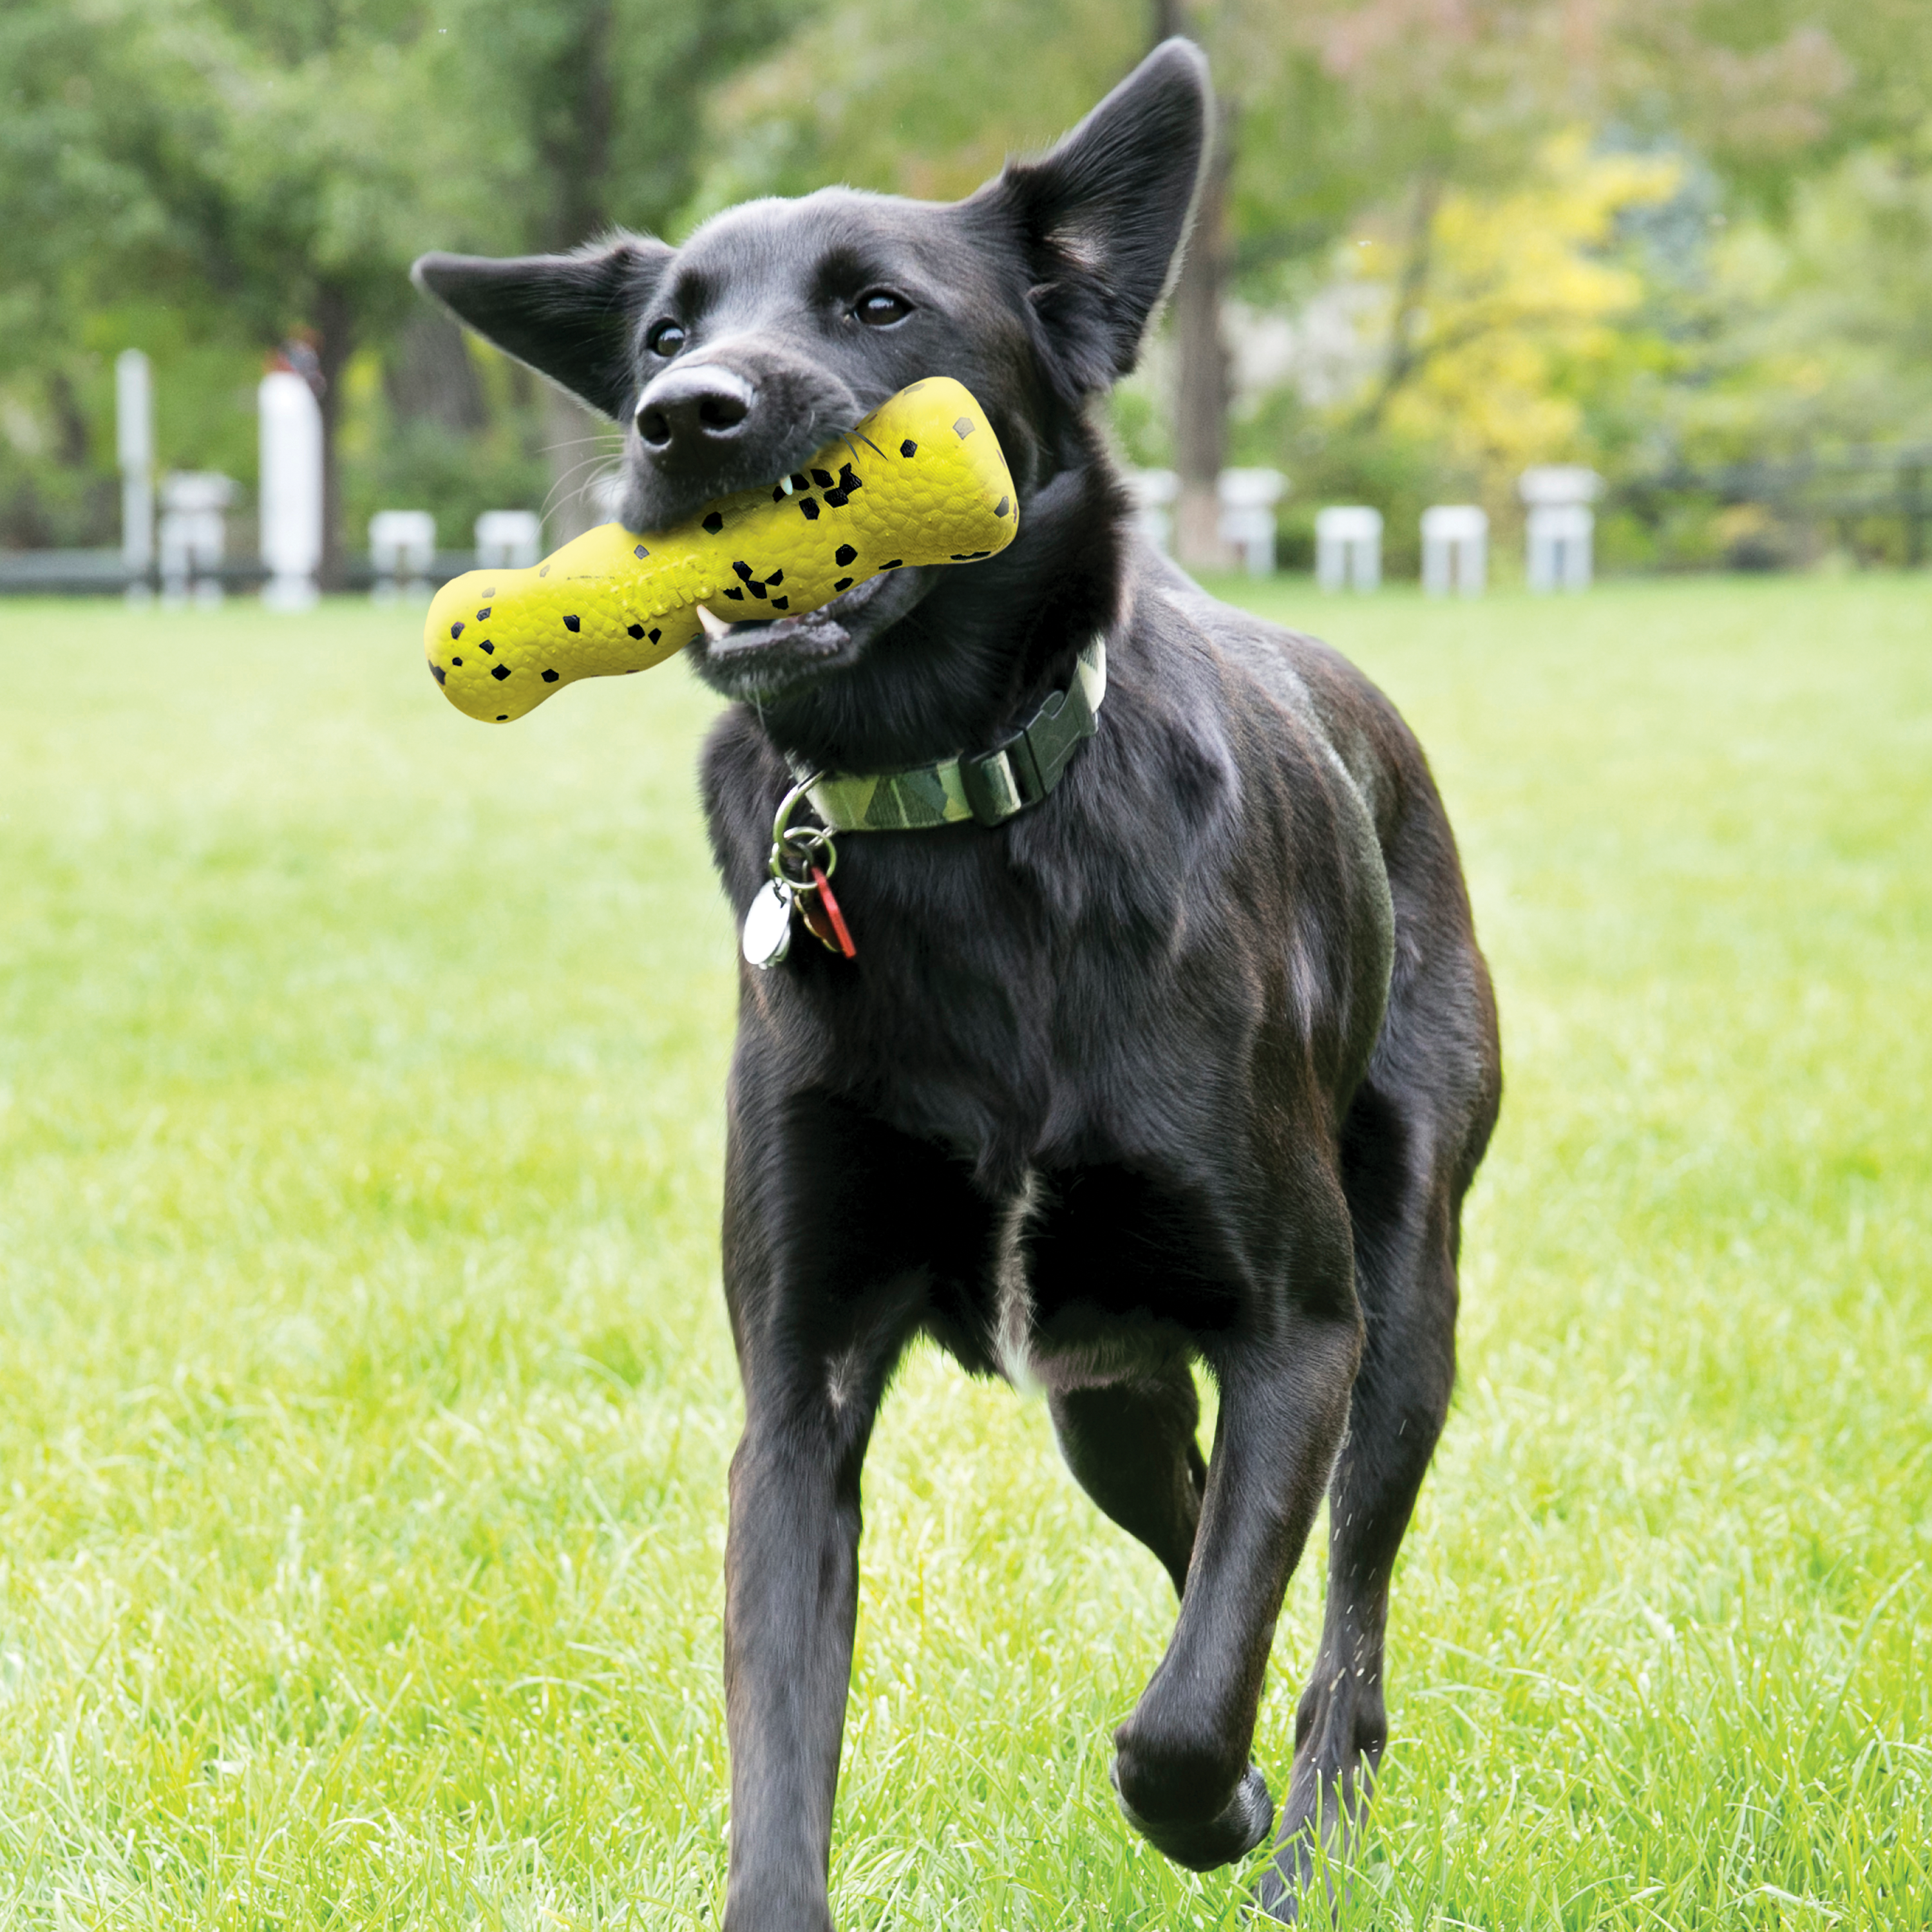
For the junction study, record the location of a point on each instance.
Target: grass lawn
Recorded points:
(365, 1394)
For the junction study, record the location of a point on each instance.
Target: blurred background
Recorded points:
(1686, 243)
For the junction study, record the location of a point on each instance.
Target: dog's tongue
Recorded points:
(921, 481)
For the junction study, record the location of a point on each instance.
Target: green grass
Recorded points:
(365, 1396)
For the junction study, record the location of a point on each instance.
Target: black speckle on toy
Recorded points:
(732, 591)
(908, 448)
(823, 478)
(836, 498)
(776, 576)
(487, 648)
(636, 630)
(436, 671)
(799, 480)
(780, 603)
(808, 508)
(456, 630)
(544, 571)
(570, 624)
(550, 677)
(655, 635)
(844, 555)
(499, 672)
(1001, 509)
(844, 583)
(847, 480)
(744, 571)
(642, 552)
(456, 661)
(714, 523)
(502, 718)
(894, 564)
(963, 428)
(482, 613)
(756, 589)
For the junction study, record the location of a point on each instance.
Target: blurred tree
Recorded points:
(582, 115)
(1528, 310)
(275, 148)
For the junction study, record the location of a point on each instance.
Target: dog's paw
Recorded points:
(1202, 1843)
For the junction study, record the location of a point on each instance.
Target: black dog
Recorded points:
(1192, 1058)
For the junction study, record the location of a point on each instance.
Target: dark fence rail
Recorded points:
(95, 573)
(1841, 490)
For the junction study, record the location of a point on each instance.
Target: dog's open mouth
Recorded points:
(765, 658)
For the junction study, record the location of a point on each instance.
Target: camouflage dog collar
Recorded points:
(987, 787)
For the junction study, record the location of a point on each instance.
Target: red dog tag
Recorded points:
(823, 917)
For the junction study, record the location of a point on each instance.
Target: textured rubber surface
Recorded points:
(921, 481)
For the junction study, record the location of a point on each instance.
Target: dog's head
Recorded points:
(780, 324)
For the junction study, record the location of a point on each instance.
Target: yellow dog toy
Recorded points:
(922, 480)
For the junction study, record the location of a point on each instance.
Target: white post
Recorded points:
(1248, 498)
(134, 447)
(1455, 549)
(291, 491)
(508, 539)
(1561, 525)
(1349, 547)
(402, 548)
(1154, 491)
(193, 536)
(1559, 536)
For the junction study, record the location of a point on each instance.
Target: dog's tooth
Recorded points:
(784, 484)
(714, 627)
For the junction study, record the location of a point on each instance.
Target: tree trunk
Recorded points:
(1202, 387)
(575, 151)
(429, 375)
(1202, 384)
(335, 322)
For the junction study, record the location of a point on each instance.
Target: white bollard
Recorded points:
(508, 539)
(402, 546)
(134, 450)
(291, 490)
(1559, 538)
(1154, 492)
(1561, 526)
(1349, 547)
(1248, 498)
(1455, 549)
(194, 536)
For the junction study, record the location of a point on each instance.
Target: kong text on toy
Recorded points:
(921, 481)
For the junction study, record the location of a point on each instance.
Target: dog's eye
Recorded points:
(666, 338)
(881, 308)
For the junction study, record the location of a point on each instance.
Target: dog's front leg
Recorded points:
(791, 1597)
(1182, 1766)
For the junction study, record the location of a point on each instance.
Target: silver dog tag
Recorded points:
(768, 925)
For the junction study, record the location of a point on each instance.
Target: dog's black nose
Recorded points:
(686, 412)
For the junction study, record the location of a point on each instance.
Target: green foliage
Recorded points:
(924, 97)
(205, 177)
(367, 1396)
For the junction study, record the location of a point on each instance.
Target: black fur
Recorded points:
(1191, 1063)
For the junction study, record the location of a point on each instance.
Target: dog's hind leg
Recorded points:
(1131, 1446)
(1405, 1174)
(1181, 1764)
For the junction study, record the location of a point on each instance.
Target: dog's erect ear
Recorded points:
(1102, 216)
(569, 316)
